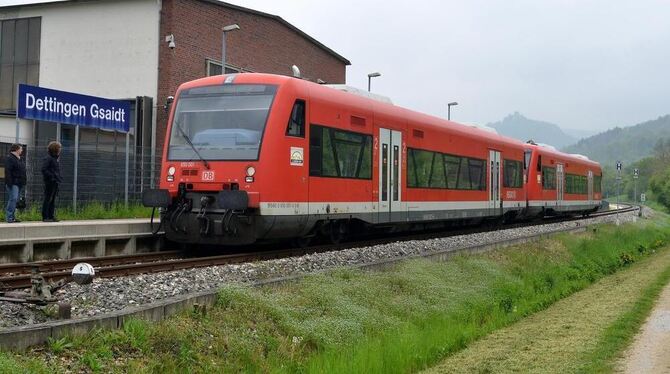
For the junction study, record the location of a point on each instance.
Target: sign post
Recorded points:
(636, 175)
(618, 181)
(60, 107)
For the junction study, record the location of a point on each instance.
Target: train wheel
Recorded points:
(338, 232)
(303, 242)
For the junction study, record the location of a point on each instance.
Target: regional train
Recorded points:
(257, 157)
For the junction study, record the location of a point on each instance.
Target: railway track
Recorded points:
(17, 276)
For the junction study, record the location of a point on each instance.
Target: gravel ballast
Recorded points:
(107, 295)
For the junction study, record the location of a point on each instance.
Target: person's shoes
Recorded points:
(47, 220)
(14, 221)
(55, 220)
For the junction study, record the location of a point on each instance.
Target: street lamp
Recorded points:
(226, 29)
(370, 76)
(449, 109)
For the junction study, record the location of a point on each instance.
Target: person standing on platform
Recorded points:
(52, 178)
(15, 179)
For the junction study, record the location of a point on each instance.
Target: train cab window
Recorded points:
(526, 158)
(548, 178)
(296, 123)
(597, 183)
(512, 174)
(539, 163)
(338, 153)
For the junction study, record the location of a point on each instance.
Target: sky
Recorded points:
(586, 64)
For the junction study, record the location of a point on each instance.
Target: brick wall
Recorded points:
(262, 45)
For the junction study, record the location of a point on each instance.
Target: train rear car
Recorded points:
(561, 184)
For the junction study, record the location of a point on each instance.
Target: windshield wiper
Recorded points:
(188, 140)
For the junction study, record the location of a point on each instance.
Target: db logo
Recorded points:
(208, 176)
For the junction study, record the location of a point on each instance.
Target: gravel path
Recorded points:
(105, 295)
(650, 353)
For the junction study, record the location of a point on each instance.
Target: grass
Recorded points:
(92, 210)
(584, 332)
(400, 320)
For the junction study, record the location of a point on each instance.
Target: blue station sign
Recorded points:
(44, 104)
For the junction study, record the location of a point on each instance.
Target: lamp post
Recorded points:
(226, 29)
(372, 75)
(449, 109)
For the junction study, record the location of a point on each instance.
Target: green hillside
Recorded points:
(628, 144)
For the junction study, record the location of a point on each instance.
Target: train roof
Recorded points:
(415, 119)
(550, 150)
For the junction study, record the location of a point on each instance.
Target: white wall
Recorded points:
(106, 48)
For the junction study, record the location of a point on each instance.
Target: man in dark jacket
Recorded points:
(15, 179)
(52, 178)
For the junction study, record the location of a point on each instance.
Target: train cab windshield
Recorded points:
(223, 122)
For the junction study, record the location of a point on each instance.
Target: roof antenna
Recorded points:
(296, 71)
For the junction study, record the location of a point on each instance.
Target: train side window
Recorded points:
(437, 176)
(548, 178)
(337, 153)
(597, 183)
(315, 150)
(296, 123)
(476, 174)
(411, 169)
(512, 174)
(452, 164)
(464, 175)
(424, 163)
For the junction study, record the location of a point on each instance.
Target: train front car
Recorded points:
(562, 184)
(226, 143)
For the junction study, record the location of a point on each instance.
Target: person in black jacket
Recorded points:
(15, 179)
(52, 178)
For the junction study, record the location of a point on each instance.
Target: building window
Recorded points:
(214, 68)
(338, 153)
(19, 57)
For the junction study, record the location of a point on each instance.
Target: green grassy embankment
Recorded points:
(585, 332)
(400, 320)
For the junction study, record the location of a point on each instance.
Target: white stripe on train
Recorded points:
(293, 208)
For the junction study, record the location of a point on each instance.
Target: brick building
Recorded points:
(117, 49)
(265, 43)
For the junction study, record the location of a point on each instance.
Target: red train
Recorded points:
(255, 157)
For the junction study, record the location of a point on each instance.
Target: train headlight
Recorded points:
(172, 170)
(251, 171)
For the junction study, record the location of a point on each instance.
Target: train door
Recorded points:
(390, 161)
(590, 186)
(560, 177)
(494, 185)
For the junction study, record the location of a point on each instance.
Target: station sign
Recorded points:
(44, 104)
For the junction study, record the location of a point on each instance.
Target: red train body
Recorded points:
(254, 157)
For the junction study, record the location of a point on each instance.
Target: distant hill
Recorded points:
(578, 133)
(628, 144)
(522, 128)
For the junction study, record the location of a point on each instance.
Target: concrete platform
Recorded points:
(34, 241)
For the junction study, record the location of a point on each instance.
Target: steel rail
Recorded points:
(108, 269)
